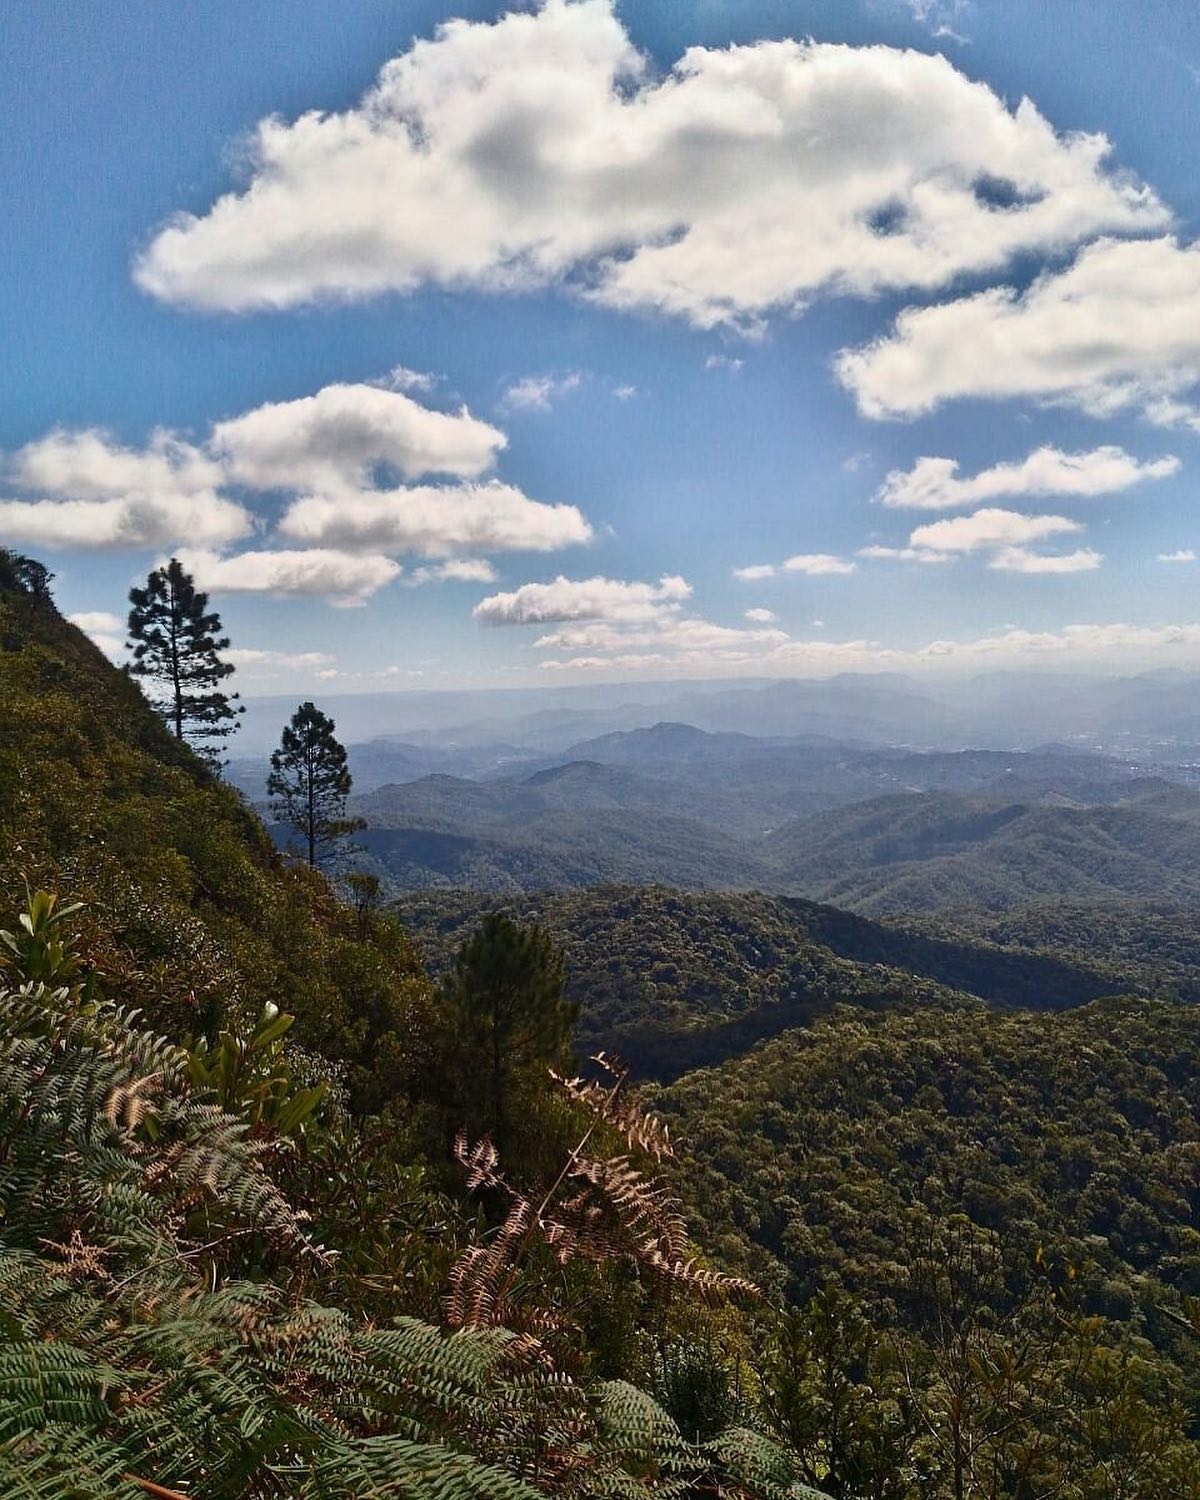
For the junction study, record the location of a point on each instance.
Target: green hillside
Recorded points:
(243, 1260)
(973, 1180)
(573, 826)
(185, 893)
(932, 851)
(674, 979)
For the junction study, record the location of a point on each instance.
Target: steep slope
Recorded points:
(1147, 947)
(1071, 1137)
(185, 892)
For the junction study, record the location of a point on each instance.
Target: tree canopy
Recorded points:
(177, 643)
(310, 780)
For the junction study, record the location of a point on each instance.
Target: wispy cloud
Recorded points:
(935, 483)
(539, 392)
(818, 564)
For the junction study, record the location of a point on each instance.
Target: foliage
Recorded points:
(41, 948)
(228, 1239)
(1151, 948)
(34, 577)
(177, 643)
(674, 980)
(310, 780)
(508, 1020)
(934, 851)
(1008, 1202)
(251, 1075)
(186, 899)
(600, 1206)
(138, 1356)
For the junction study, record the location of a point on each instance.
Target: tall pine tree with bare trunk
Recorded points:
(310, 780)
(176, 641)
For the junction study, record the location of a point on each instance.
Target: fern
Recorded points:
(598, 1208)
(134, 1363)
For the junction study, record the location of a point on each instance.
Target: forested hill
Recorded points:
(242, 1250)
(184, 891)
(677, 979)
(1039, 1170)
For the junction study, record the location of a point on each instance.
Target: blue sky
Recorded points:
(653, 325)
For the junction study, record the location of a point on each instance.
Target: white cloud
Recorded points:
(94, 493)
(104, 629)
(433, 521)
(935, 484)
(1117, 645)
(542, 148)
(338, 437)
(818, 564)
(1180, 555)
(341, 577)
(1004, 534)
(989, 528)
(755, 572)
(253, 662)
(1021, 560)
(1095, 644)
(678, 632)
(539, 392)
(94, 525)
(566, 599)
(337, 452)
(942, 17)
(456, 570)
(97, 622)
(625, 392)
(1117, 329)
(91, 465)
(620, 625)
(401, 378)
(724, 362)
(904, 554)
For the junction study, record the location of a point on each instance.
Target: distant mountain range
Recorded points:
(1155, 714)
(875, 830)
(939, 851)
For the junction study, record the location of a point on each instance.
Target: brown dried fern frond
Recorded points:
(610, 1104)
(598, 1208)
(481, 1279)
(481, 1162)
(127, 1105)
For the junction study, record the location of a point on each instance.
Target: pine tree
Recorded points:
(176, 641)
(310, 780)
(509, 1016)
